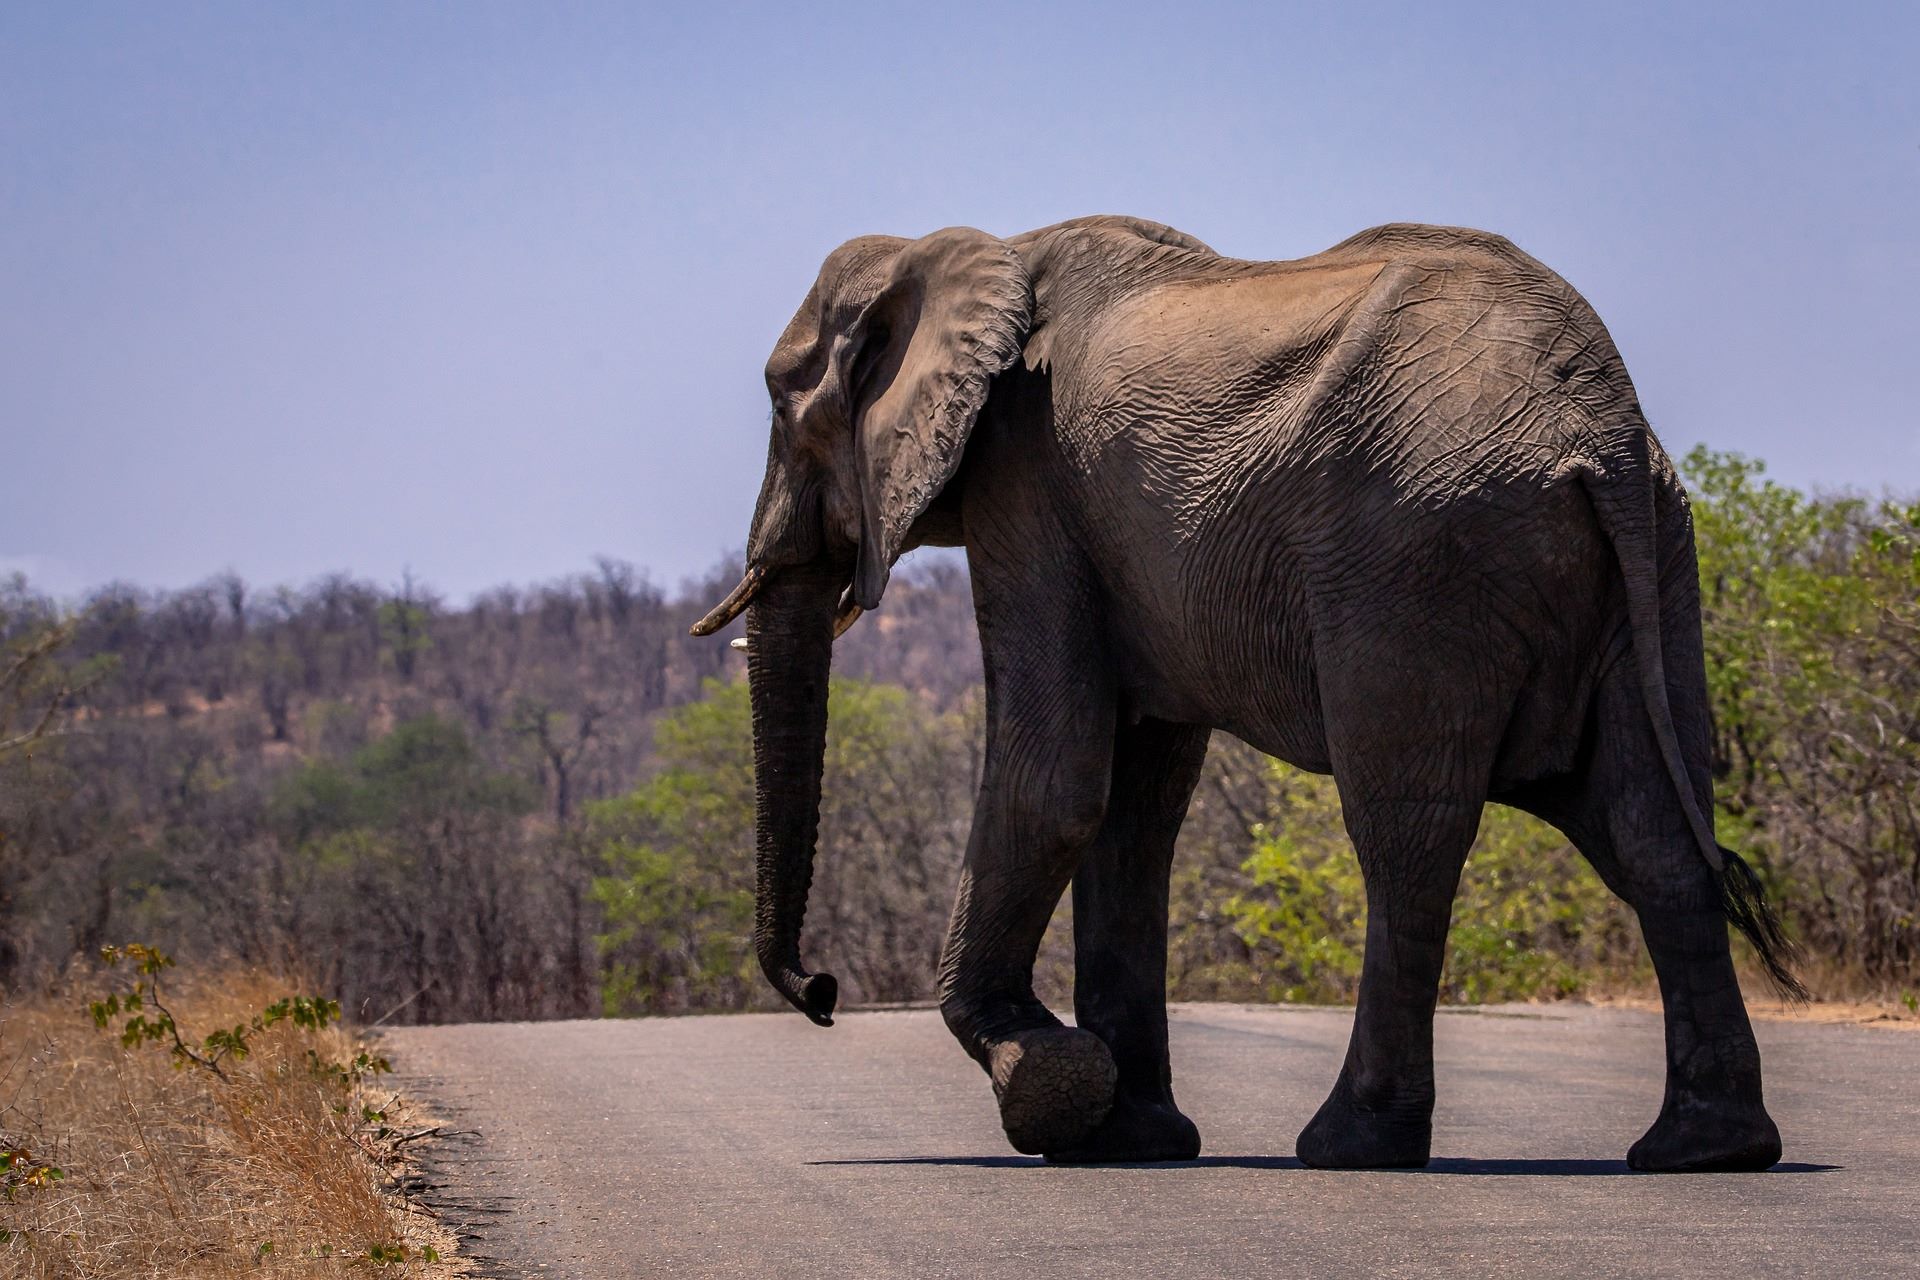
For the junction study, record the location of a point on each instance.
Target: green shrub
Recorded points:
(1531, 921)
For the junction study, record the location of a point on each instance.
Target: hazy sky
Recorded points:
(485, 290)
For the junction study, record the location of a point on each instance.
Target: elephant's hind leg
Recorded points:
(1414, 721)
(1623, 815)
(1411, 847)
(1120, 942)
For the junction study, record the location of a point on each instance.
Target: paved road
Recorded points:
(763, 1146)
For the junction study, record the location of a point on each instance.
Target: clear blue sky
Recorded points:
(484, 290)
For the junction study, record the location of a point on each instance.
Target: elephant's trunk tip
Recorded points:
(813, 994)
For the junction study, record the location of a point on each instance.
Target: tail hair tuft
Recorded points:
(1748, 910)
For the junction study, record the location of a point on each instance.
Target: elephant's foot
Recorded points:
(1701, 1135)
(1055, 1086)
(1345, 1134)
(1135, 1132)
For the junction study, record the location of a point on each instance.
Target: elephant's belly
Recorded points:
(1241, 661)
(1279, 718)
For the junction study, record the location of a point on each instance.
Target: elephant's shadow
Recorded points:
(1538, 1168)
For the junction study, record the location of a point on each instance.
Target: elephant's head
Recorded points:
(876, 384)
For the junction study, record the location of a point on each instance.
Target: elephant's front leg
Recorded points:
(1120, 941)
(1040, 805)
(1042, 799)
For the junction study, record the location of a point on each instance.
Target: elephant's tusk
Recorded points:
(738, 642)
(730, 608)
(848, 614)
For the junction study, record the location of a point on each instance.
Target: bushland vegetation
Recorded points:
(538, 804)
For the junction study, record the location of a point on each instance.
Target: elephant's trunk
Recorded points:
(790, 646)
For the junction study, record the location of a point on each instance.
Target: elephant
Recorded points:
(1391, 512)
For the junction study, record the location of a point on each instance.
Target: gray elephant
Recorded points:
(1391, 512)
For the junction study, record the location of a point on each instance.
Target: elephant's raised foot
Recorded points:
(1696, 1136)
(1055, 1086)
(1346, 1135)
(1135, 1132)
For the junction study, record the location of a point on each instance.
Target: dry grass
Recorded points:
(1842, 1011)
(175, 1171)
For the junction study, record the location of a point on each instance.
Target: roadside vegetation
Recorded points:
(209, 1126)
(539, 804)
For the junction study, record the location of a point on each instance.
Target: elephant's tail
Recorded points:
(1625, 499)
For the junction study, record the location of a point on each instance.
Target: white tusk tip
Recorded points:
(738, 642)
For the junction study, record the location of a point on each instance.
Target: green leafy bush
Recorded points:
(1812, 623)
(1531, 920)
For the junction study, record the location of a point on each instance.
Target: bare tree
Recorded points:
(562, 739)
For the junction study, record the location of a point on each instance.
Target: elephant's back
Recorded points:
(1470, 370)
(1414, 367)
(1419, 239)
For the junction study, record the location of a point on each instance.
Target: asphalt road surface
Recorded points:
(764, 1146)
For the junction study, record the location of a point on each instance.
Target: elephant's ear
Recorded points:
(952, 312)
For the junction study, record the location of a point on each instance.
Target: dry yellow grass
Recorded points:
(172, 1170)
(1891, 1014)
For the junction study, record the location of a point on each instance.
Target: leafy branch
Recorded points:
(149, 1020)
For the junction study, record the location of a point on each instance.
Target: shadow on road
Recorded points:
(1439, 1165)
(1567, 1168)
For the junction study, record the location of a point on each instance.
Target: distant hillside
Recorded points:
(165, 808)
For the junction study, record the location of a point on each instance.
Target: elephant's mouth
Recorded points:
(845, 615)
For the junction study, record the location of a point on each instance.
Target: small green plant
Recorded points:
(147, 1020)
(389, 1254)
(19, 1171)
(1911, 999)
